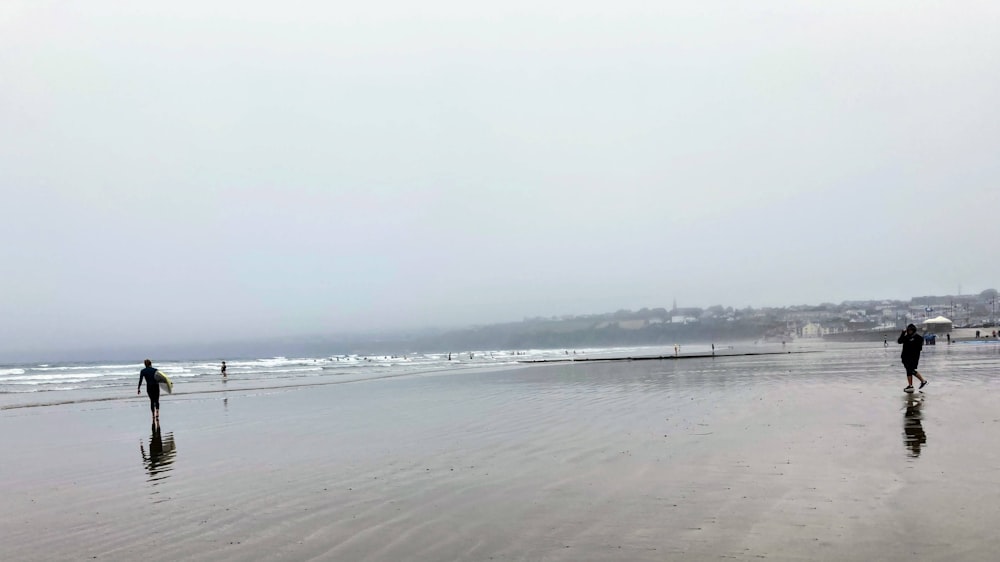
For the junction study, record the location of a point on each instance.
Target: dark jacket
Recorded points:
(912, 344)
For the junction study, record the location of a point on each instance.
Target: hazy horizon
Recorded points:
(197, 172)
(308, 343)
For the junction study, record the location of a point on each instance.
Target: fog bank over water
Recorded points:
(251, 171)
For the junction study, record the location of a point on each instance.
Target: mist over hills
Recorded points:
(647, 326)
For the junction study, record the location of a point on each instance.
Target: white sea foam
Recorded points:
(84, 367)
(43, 379)
(83, 377)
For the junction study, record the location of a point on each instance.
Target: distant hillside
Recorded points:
(597, 332)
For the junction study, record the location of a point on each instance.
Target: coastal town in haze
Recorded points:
(853, 320)
(952, 317)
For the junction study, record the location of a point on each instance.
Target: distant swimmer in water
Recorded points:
(152, 389)
(223, 369)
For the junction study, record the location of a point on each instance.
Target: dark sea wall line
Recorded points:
(664, 357)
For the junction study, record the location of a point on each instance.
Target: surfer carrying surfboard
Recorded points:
(913, 343)
(152, 388)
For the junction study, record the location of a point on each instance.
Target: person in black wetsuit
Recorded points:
(913, 343)
(152, 389)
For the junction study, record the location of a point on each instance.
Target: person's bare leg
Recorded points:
(919, 376)
(909, 380)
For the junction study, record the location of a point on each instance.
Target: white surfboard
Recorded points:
(166, 384)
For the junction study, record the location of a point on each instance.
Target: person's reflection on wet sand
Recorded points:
(913, 431)
(161, 455)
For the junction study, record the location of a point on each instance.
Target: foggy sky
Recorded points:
(190, 171)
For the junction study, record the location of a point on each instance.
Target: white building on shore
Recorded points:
(812, 330)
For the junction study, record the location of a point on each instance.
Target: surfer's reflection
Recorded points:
(161, 455)
(913, 431)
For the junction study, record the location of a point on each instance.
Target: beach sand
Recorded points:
(789, 457)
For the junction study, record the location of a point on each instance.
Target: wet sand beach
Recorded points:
(815, 456)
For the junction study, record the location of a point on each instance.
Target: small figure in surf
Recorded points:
(912, 343)
(223, 369)
(152, 389)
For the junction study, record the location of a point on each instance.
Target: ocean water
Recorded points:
(41, 384)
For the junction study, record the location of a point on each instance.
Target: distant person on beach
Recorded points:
(949, 338)
(152, 389)
(223, 369)
(912, 343)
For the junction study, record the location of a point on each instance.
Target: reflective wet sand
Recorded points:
(788, 457)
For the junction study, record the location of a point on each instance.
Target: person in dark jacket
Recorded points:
(913, 343)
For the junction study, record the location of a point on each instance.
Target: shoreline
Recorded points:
(783, 457)
(237, 387)
(65, 384)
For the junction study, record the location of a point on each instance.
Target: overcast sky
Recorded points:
(192, 170)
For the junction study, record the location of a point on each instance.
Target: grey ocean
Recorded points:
(37, 384)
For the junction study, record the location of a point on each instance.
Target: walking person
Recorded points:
(152, 389)
(912, 343)
(223, 369)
